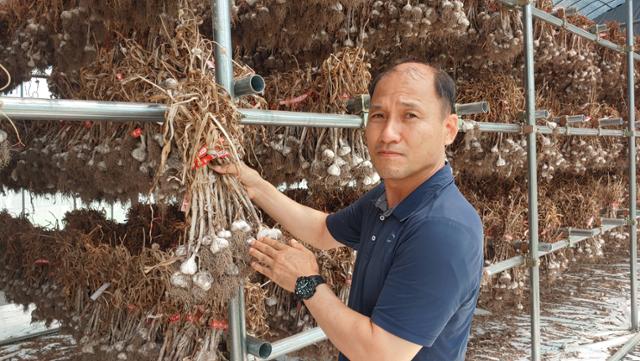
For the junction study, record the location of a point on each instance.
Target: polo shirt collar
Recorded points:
(415, 199)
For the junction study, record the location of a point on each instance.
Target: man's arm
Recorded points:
(354, 334)
(302, 222)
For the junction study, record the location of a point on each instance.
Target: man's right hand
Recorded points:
(249, 177)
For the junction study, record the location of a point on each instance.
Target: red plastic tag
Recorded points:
(219, 324)
(136, 133)
(174, 318)
(119, 76)
(202, 152)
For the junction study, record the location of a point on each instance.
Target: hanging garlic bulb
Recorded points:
(272, 233)
(334, 170)
(240, 226)
(179, 280)
(181, 251)
(206, 240)
(271, 301)
(218, 244)
(203, 279)
(224, 234)
(189, 267)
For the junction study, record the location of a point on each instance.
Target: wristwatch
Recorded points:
(306, 286)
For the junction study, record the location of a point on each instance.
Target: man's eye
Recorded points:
(376, 116)
(411, 115)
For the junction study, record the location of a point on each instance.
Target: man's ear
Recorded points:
(450, 128)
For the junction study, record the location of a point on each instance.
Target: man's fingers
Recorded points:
(226, 169)
(273, 243)
(264, 247)
(297, 245)
(262, 269)
(261, 257)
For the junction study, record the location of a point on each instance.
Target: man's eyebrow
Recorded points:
(404, 103)
(410, 103)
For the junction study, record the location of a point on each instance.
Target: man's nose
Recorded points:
(391, 131)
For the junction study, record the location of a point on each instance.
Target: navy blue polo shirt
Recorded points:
(418, 265)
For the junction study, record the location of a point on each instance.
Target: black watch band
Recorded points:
(306, 286)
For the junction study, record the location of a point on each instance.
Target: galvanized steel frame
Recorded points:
(224, 75)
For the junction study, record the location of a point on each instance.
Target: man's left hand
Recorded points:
(283, 263)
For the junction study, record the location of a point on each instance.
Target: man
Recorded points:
(419, 242)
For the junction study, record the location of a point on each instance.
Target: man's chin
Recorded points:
(390, 174)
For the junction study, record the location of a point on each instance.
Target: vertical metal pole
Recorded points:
(224, 53)
(224, 76)
(111, 210)
(22, 191)
(632, 169)
(534, 270)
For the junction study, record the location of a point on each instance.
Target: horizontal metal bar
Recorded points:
(258, 347)
(295, 343)
(30, 336)
(545, 248)
(607, 122)
(472, 108)
(320, 120)
(562, 23)
(81, 110)
(488, 127)
(252, 84)
(626, 348)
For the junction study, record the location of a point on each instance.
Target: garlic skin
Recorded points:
(179, 280)
(206, 240)
(271, 301)
(240, 226)
(218, 244)
(272, 233)
(189, 267)
(139, 154)
(181, 251)
(224, 234)
(334, 170)
(203, 279)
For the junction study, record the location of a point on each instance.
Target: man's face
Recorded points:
(408, 129)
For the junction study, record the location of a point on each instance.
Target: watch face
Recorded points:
(303, 287)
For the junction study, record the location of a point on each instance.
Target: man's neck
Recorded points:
(397, 190)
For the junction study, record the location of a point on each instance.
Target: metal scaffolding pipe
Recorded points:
(252, 84)
(80, 110)
(530, 97)
(610, 122)
(296, 342)
(515, 128)
(223, 53)
(224, 77)
(257, 347)
(626, 348)
(608, 224)
(472, 108)
(563, 23)
(633, 247)
(274, 117)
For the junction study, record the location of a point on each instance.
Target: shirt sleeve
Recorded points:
(436, 269)
(346, 224)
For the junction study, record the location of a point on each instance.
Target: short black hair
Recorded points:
(445, 86)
